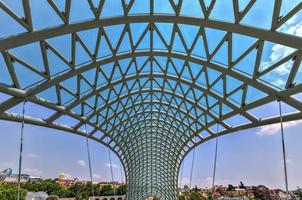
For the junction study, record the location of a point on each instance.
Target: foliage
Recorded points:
(10, 192)
(196, 196)
(51, 187)
(121, 190)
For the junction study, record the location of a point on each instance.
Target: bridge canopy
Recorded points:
(151, 79)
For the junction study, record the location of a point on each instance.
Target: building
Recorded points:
(113, 184)
(5, 173)
(24, 178)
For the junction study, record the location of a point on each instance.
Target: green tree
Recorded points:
(106, 190)
(10, 192)
(196, 196)
(121, 190)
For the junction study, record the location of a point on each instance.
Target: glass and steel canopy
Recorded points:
(151, 79)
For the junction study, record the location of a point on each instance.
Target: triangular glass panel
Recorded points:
(49, 94)
(221, 56)
(56, 65)
(104, 49)
(26, 76)
(81, 55)
(199, 49)
(89, 38)
(80, 7)
(62, 44)
(71, 84)
(236, 97)
(298, 78)
(191, 8)
(145, 42)
(14, 27)
(223, 10)
(112, 8)
(140, 7)
(4, 74)
(253, 94)
(31, 54)
(286, 7)
(263, 9)
(213, 38)
(166, 30)
(125, 44)
(43, 10)
(189, 33)
(240, 43)
(114, 33)
(278, 76)
(157, 42)
(177, 44)
(163, 7)
(247, 64)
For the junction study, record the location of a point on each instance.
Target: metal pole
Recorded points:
(181, 174)
(111, 170)
(122, 177)
(192, 166)
(21, 150)
(283, 150)
(215, 159)
(89, 162)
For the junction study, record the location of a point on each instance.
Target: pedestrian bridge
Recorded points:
(151, 80)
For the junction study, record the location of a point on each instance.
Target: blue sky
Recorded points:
(252, 156)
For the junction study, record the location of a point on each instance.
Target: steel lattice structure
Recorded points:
(150, 85)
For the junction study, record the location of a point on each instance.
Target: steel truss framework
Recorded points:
(150, 86)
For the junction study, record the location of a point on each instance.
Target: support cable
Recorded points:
(89, 162)
(283, 150)
(122, 177)
(215, 159)
(181, 174)
(21, 151)
(192, 167)
(111, 170)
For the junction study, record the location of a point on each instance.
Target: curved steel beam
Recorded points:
(268, 35)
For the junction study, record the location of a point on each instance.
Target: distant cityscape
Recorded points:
(230, 192)
(240, 192)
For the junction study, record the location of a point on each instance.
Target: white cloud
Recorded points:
(279, 76)
(82, 163)
(109, 165)
(208, 180)
(7, 164)
(68, 176)
(31, 155)
(288, 162)
(33, 171)
(276, 128)
(98, 176)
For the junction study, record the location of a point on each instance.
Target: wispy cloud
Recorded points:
(34, 171)
(275, 128)
(279, 75)
(109, 165)
(32, 155)
(82, 163)
(97, 176)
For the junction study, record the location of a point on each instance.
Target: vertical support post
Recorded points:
(89, 162)
(111, 170)
(192, 167)
(215, 158)
(283, 149)
(181, 174)
(21, 151)
(122, 177)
